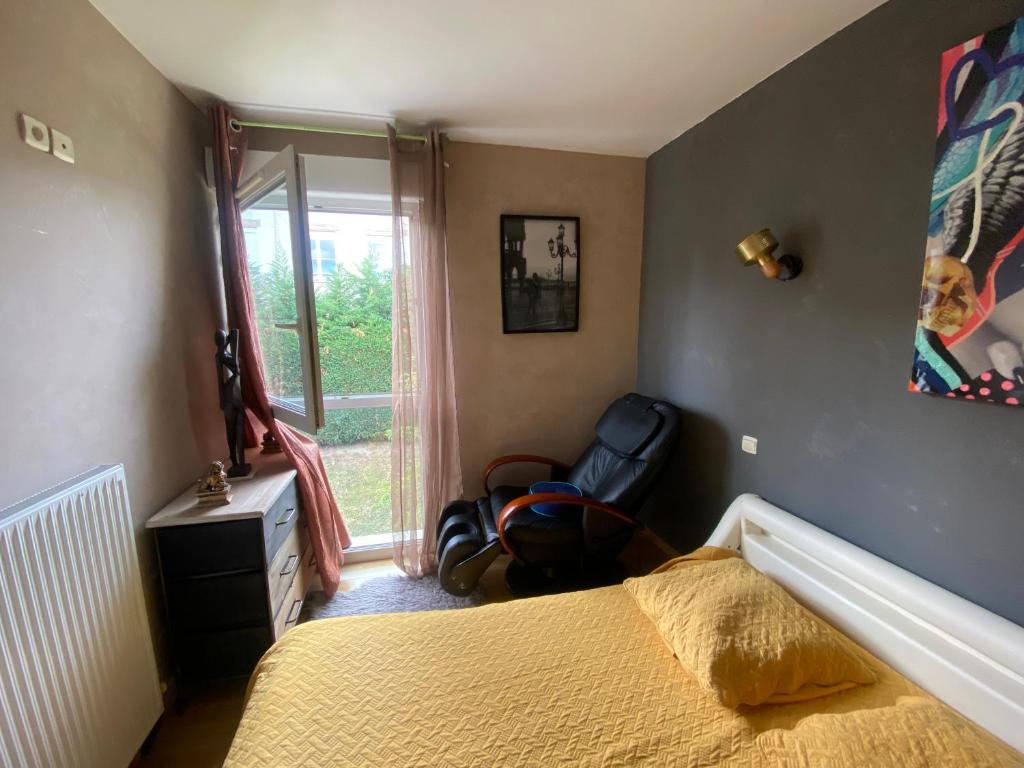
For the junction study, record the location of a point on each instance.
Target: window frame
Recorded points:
(376, 545)
(334, 402)
(287, 167)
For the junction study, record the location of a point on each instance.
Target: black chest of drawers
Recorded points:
(234, 576)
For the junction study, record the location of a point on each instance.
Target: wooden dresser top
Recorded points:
(249, 498)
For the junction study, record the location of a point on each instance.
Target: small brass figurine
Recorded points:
(213, 488)
(270, 444)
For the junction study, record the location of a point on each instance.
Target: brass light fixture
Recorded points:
(758, 248)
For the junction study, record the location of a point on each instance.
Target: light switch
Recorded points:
(63, 147)
(34, 132)
(749, 444)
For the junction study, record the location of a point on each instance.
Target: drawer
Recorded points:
(217, 602)
(230, 653)
(286, 564)
(288, 614)
(200, 550)
(280, 520)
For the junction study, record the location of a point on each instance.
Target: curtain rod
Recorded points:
(237, 125)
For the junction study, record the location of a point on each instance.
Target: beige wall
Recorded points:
(541, 393)
(107, 277)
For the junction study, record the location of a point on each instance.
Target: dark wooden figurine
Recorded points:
(229, 380)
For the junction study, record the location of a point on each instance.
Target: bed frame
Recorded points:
(961, 653)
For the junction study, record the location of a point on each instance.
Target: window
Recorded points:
(345, 275)
(353, 305)
(250, 230)
(279, 270)
(322, 257)
(328, 265)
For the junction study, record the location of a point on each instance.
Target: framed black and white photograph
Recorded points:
(540, 273)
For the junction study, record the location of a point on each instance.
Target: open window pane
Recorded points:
(273, 221)
(272, 274)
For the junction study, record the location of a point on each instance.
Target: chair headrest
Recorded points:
(629, 424)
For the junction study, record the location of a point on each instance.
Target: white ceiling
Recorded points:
(610, 76)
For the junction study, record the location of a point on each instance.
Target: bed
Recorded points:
(583, 679)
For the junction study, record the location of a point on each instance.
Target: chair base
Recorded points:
(523, 581)
(463, 561)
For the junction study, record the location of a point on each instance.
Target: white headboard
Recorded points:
(961, 653)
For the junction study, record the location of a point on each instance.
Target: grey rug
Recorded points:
(387, 594)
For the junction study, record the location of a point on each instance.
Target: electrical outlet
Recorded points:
(34, 132)
(749, 444)
(63, 147)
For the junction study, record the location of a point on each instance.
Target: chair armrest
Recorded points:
(554, 498)
(515, 458)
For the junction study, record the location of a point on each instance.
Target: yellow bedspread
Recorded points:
(581, 679)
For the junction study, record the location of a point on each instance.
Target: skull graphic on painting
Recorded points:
(948, 297)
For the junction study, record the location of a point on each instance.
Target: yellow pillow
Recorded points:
(916, 732)
(742, 636)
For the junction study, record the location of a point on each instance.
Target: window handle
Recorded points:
(287, 326)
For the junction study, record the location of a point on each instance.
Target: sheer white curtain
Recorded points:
(425, 469)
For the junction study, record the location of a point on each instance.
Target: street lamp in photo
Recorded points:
(557, 249)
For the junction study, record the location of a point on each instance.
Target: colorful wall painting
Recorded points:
(970, 328)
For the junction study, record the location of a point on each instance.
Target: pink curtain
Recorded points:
(326, 528)
(425, 469)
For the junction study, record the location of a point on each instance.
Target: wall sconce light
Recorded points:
(758, 248)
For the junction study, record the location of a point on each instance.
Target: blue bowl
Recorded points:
(555, 510)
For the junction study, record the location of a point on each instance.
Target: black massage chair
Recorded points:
(578, 545)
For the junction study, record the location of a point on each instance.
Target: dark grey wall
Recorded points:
(834, 153)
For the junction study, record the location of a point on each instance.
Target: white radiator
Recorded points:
(78, 679)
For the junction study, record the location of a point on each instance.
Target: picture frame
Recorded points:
(970, 318)
(539, 270)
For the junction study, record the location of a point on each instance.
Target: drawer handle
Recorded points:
(289, 566)
(293, 613)
(286, 517)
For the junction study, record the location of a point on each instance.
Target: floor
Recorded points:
(199, 735)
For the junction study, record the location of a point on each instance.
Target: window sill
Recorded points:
(364, 548)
